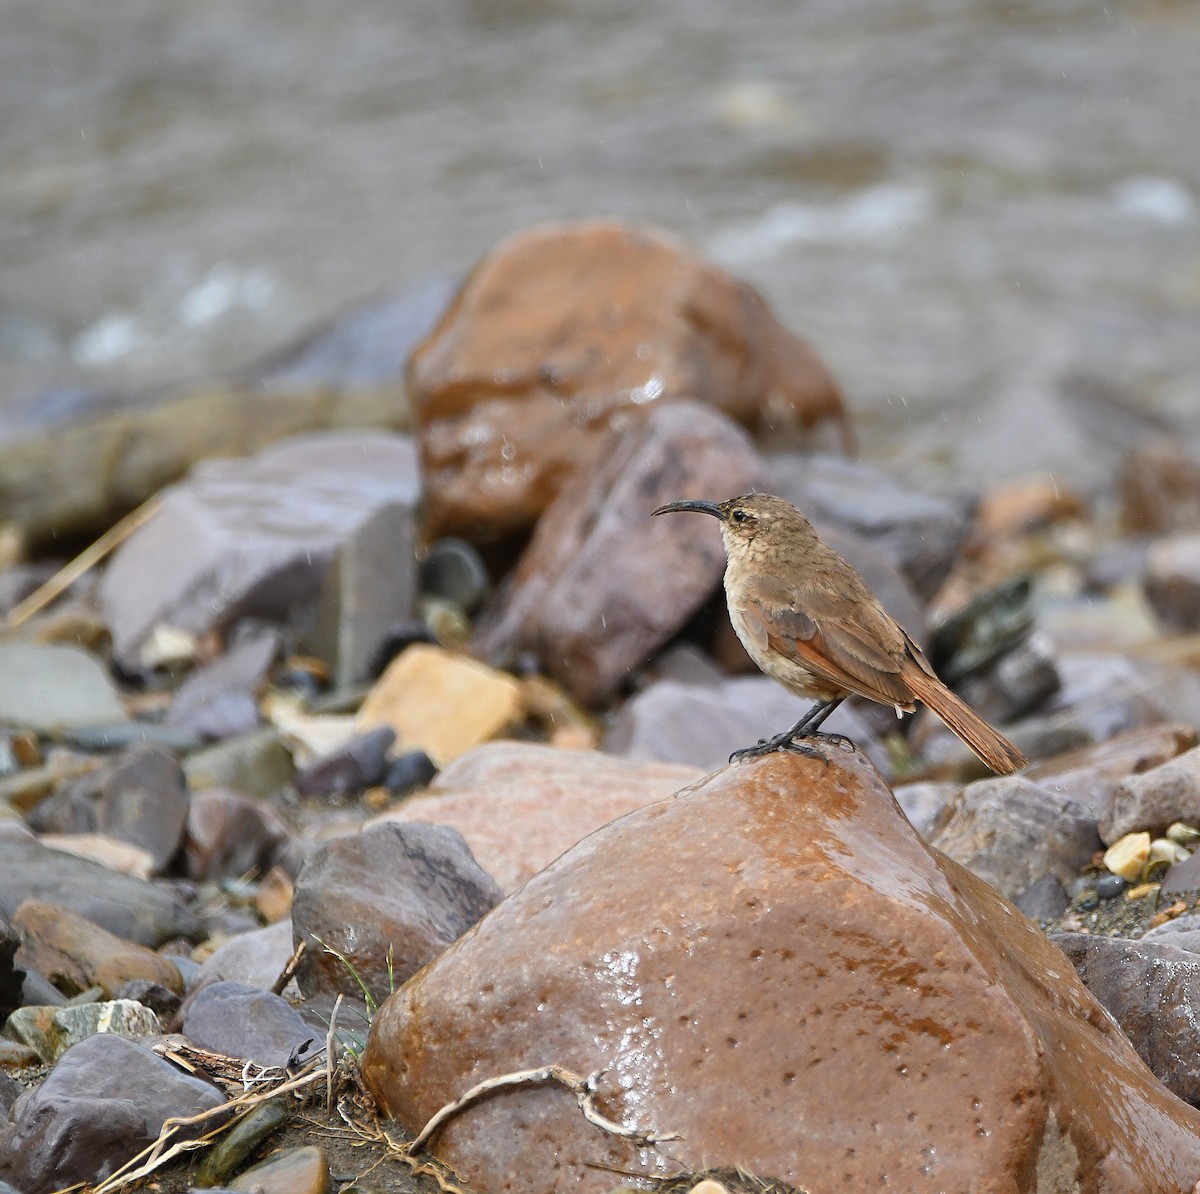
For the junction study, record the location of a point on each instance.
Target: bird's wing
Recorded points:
(847, 654)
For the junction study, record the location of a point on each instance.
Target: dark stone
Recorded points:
(12, 977)
(409, 771)
(1108, 887)
(407, 890)
(229, 835)
(103, 1102)
(140, 798)
(131, 908)
(162, 1001)
(242, 1021)
(454, 571)
(361, 763)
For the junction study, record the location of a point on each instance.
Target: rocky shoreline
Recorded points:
(446, 707)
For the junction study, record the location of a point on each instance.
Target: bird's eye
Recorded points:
(739, 516)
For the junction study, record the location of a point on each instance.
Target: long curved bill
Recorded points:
(692, 506)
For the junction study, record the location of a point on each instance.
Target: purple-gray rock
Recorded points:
(1011, 832)
(1182, 876)
(163, 1002)
(51, 687)
(920, 532)
(1153, 991)
(252, 537)
(140, 798)
(409, 771)
(242, 1021)
(359, 764)
(219, 700)
(703, 724)
(407, 888)
(228, 835)
(134, 909)
(1153, 799)
(603, 585)
(1020, 682)
(256, 958)
(103, 1102)
(1183, 932)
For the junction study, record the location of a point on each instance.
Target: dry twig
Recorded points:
(582, 1088)
(87, 559)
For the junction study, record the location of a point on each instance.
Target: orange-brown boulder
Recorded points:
(773, 965)
(557, 335)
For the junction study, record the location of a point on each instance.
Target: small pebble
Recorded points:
(1128, 855)
(409, 771)
(1184, 835)
(1142, 890)
(1108, 887)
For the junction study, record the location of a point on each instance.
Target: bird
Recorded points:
(809, 621)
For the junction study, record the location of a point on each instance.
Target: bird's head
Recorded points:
(750, 517)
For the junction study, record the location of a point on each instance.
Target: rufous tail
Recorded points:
(992, 747)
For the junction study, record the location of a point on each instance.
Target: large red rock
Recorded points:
(519, 805)
(603, 585)
(773, 965)
(557, 335)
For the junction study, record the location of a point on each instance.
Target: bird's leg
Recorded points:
(806, 727)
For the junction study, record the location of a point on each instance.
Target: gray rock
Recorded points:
(257, 764)
(252, 537)
(140, 798)
(922, 533)
(1172, 581)
(1152, 990)
(1091, 773)
(1183, 932)
(256, 958)
(371, 587)
(1106, 694)
(703, 724)
(228, 835)
(359, 764)
(1044, 900)
(102, 1103)
(1152, 800)
(220, 700)
(410, 889)
(130, 908)
(924, 802)
(52, 687)
(1011, 832)
(602, 585)
(365, 348)
(243, 1021)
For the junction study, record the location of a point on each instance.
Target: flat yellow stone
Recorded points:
(1128, 856)
(441, 703)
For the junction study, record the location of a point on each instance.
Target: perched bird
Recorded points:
(809, 621)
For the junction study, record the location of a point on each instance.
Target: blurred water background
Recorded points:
(985, 215)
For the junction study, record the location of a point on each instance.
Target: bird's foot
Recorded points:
(799, 745)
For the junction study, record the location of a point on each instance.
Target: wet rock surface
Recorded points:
(990, 1028)
(519, 806)
(242, 1021)
(1152, 990)
(557, 336)
(387, 900)
(603, 585)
